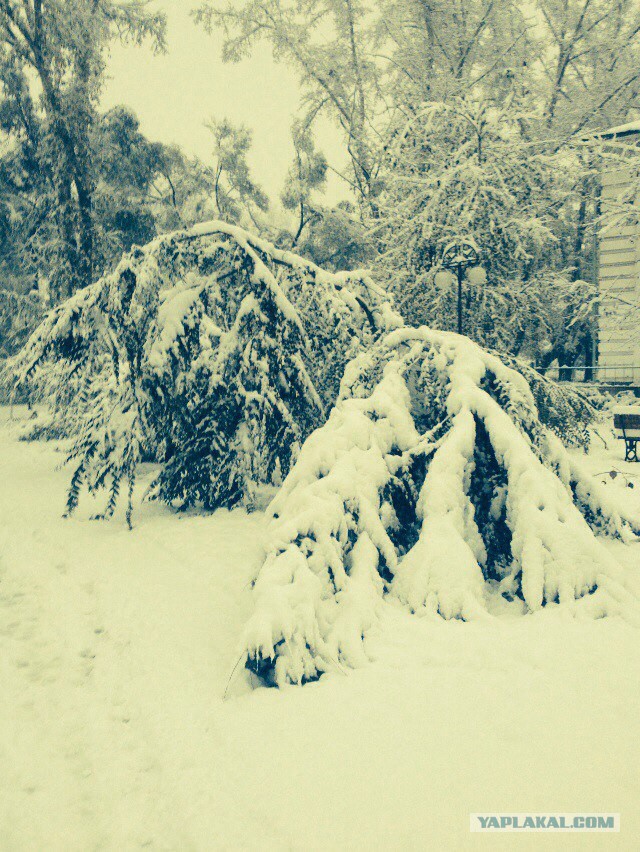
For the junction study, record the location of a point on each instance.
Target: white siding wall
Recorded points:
(619, 282)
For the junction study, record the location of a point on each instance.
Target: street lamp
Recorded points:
(459, 256)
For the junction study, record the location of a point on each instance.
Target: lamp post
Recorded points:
(458, 256)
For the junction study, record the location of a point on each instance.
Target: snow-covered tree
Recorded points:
(328, 44)
(336, 238)
(237, 196)
(208, 351)
(465, 118)
(587, 64)
(435, 480)
(52, 64)
(466, 169)
(306, 176)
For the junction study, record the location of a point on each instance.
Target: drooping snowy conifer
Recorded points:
(209, 351)
(434, 475)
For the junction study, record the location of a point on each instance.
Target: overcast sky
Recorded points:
(175, 93)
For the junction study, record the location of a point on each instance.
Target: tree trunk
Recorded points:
(65, 282)
(77, 168)
(85, 236)
(587, 344)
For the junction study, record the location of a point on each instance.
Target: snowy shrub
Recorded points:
(208, 351)
(433, 479)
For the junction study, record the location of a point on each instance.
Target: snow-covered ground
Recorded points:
(117, 647)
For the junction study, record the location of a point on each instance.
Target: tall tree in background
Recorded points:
(142, 188)
(306, 176)
(460, 117)
(52, 62)
(237, 196)
(365, 63)
(589, 66)
(465, 169)
(327, 42)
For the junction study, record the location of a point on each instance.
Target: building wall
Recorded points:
(619, 283)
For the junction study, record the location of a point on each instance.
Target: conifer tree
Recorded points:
(208, 351)
(435, 481)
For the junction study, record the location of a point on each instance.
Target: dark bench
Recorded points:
(626, 422)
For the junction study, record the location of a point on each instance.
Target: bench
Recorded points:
(626, 423)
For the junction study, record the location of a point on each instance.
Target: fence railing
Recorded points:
(615, 374)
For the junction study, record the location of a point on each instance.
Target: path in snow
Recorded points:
(116, 648)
